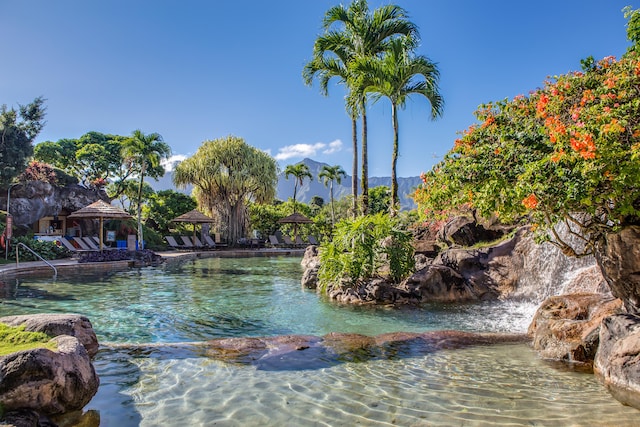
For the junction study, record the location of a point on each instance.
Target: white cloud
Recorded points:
(308, 150)
(172, 161)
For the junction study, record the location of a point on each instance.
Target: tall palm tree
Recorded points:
(397, 75)
(362, 34)
(328, 174)
(300, 172)
(325, 68)
(145, 152)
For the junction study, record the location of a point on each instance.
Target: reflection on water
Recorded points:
(217, 298)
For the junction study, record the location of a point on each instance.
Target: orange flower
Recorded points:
(530, 202)
(541, 106)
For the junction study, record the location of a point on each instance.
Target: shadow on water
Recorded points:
(16, 290)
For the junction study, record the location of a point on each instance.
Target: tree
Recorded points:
(362, 34)
(145, 153)
(94, 157)
(300, 172)
(165, 205)
(227, 173)
(379, 199)
(18, 130)
(397, 75)
(329, 174)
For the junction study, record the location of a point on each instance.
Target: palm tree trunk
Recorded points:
(394, 160)
(333, 215)
(354, 173)
(140, 234)
(365, 163)
(295, 190)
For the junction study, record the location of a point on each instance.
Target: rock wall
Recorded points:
(36, 199)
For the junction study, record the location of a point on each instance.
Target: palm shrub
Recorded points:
(44, 248)
(362, 248)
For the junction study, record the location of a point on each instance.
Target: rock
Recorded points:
(617, 362)
(464, 231)
(439, 283)
(311, 264)
(619, 260)
(566, 327)
(35, 199)
(58, 324)
(50, 382)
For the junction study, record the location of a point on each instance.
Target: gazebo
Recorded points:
(100, 210)
(295, 219)
(194, 217)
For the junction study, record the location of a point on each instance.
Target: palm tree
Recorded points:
(328, 174)
(325, 68)
(364, 35)
(145, 152)
(397, 75)
(300, 172)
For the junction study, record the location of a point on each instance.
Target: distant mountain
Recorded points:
(309, 189)
(406, 186)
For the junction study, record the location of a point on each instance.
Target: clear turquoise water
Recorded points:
(225, 297)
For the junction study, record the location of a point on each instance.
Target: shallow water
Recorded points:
(213, 298)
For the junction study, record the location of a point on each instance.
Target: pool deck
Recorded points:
(71, 265)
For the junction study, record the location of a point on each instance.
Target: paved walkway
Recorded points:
(67, 265)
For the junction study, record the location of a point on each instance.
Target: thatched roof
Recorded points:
(194, 217)
(295, 218)
(100, 209)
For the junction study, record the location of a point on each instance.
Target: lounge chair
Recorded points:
(273, 240)
(300, 242)
(287, 241)
(313, 240)
(198, 244)
(78, 241)
(188, 243)
(90, 243)
(209, 241)
(172, 242)
(69, 245)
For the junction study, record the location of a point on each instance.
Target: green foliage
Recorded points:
(569, 151)
(633, 26)
(15, 338)
(165, 205)
(361, 248)
(46, 249)
(379, 199)
(18, 130)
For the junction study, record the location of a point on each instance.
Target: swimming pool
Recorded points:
(145, 381)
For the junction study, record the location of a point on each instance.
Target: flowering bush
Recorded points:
(569, 151)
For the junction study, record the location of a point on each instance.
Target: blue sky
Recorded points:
(199, 70)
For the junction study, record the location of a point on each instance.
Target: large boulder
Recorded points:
(619, 260)
(311, 264)
(567, 327)
(49, 382)
(464, 231)
(439, 283)
(74, 325)
(617, 362)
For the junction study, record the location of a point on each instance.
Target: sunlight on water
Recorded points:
(216, 298)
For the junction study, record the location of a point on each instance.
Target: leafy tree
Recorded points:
(329, 174)
(145, 153)
(299, 172)
(397, 75)
(361, 248)
(379, 199)
(92, 158)
(127, 194)
(18, 130)
(361, 34)
(227, 173)
(165, 205)
(569, 152)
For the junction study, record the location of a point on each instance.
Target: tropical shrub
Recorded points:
(568, 152)
(46, 249)
(361, 248)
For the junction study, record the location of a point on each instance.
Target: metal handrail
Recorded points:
(55, 270)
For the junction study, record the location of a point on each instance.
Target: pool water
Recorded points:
(152, 375)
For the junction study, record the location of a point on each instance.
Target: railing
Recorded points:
(20, 244)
